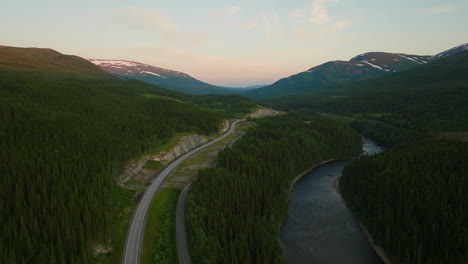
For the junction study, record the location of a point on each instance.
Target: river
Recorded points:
(319, 228)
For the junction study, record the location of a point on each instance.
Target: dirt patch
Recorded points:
(100, 249)
(263, 112)
(144, 177)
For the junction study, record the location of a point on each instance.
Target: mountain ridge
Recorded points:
(452, 51)
(368, 65)
(49, 61)
(170, 79)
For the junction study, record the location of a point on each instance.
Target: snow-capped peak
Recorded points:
(114, 62)
(452, 51)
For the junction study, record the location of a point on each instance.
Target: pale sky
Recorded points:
(236, 42)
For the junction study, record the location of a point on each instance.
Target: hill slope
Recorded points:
(169, 79)
(48, 61)
(430, 98)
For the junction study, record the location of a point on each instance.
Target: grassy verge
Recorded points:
(169, 143)
(122, 206)
(153, 165)
(163, 145)
(160, 224)
(159, 245)
(188, 169)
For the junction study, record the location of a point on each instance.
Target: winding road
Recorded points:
(133, 243)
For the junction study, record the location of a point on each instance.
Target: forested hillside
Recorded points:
(336, 73)
(421, 102)
(234, 210)
(413, 201)
(62, 142)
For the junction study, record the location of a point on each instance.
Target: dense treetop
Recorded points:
(234, 210)
(413, 201)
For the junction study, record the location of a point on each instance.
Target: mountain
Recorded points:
(169, 79)
(430, 98)
(364, 66)
(48, 61)
(336, 73)
(452, 51)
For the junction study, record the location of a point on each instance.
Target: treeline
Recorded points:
(234, 210)
(62, 143)
(413, 201)
(232, 105)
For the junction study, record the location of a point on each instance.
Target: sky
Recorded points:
(238, 42)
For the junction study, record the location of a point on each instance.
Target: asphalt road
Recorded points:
(133, 243)
(181, 237)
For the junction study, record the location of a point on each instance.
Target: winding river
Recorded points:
(319, 228)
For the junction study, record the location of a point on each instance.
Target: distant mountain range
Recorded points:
(325, 76)
(365, 66)
(169, 79)
(53, 63)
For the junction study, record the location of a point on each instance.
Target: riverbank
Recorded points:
(259, 171)
(318, 226)
(377, 248)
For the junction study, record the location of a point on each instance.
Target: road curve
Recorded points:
(133, 243)
(181, 236)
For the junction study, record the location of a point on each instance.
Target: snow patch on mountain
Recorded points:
(452, 51)
(114, 63)
(409, 58)
(152, 73)
(372, 65)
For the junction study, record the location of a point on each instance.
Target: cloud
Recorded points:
(228, 11)
(439, 9)
(253, 24)
(271, 22)
(319, 12)
(152, 21)
(331, 29)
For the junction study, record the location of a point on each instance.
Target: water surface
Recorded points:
(319, 228)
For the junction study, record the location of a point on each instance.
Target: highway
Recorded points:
(181, 236)
(133, 243)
